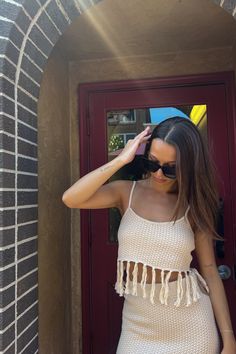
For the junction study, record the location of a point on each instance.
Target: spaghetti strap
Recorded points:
(131, 194)
(187, 210)
(186, 214)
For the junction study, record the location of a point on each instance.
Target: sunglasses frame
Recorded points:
(153, 166)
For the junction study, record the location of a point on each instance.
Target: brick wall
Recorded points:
(29, 30)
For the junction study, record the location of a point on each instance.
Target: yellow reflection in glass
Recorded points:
(198, 113)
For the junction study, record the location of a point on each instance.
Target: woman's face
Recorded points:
(163, 153)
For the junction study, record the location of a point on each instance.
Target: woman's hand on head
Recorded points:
(129, 151)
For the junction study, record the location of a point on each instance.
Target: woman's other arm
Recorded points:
(205, 254)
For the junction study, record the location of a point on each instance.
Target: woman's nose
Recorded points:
(159, 173)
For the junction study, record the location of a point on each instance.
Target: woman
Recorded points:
(169, 308)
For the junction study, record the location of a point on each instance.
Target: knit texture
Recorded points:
(157, 329)
(162, 245)
(166, 246)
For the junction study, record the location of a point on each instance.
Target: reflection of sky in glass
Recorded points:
(159, 114)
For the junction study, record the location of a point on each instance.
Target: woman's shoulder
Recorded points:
(121, 183)
(121, 186)
(126, 185)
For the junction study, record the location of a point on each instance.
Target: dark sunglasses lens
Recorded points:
(150, 166)
(169, 171)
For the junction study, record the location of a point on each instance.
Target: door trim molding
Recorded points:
(225, 77)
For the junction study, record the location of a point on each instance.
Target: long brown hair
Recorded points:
(195, 172)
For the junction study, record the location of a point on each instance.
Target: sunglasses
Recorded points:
(153, 166)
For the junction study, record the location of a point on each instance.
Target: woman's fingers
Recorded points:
(143, 134)
(140, 138)
(144, 138)
(147, 137)
(129, 151)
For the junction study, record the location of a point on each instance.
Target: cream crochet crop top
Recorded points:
(160, 245)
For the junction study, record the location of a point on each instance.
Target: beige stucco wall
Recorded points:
(171, 64)
(54, 217)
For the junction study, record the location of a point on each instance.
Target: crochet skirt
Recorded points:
(165, 329)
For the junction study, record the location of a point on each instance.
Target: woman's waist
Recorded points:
(133, 277)
(149, 271)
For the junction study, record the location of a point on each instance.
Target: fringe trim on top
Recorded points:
(162, 291)
(144, 280)
(192, 277)
(153, 285)
(135, 279)
(128, 278)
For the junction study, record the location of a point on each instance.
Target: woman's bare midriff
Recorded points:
(173, 276)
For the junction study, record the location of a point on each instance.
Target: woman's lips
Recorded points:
(160, 180)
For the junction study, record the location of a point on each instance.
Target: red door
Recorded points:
(110, 113)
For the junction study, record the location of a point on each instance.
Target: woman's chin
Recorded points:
(168, 183)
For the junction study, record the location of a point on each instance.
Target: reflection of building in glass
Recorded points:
(124, 125)
(118, 141)
(121, 117)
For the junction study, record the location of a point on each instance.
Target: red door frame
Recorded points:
(84, 92)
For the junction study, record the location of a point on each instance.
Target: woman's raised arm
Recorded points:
(89, 193)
